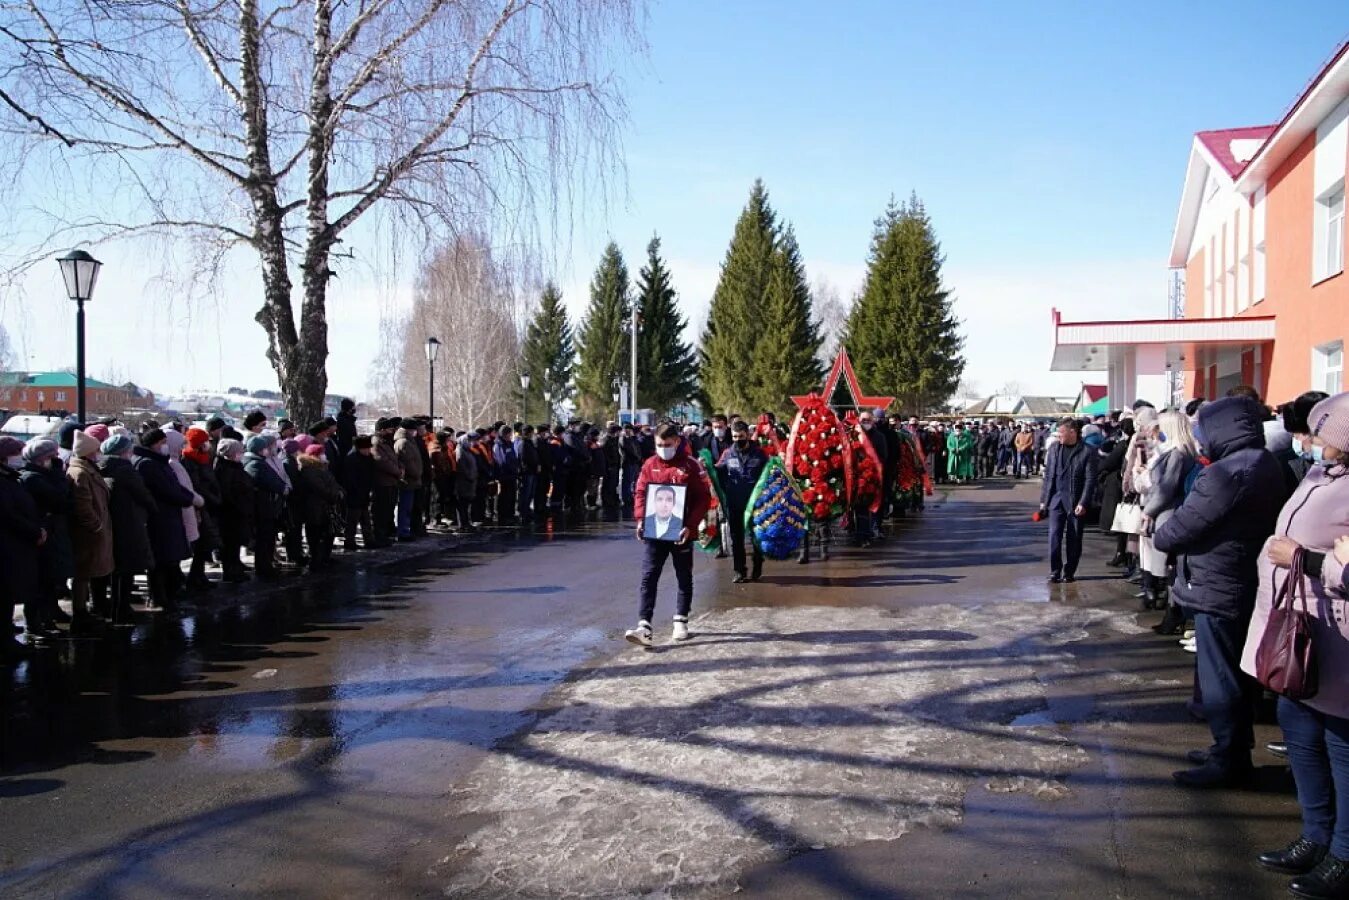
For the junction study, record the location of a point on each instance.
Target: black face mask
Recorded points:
(742, 443)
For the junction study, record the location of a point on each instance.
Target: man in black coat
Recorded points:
(611, 447)
(632, 461)
(1065, 496)
(544, 481)
(346, 427)
(21, 536)
(358, 483)
(738, 471)
(1216, 536)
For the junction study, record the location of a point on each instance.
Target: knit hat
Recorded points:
(10, 447)
(303, 441)
(152, 437)
(314, 450)
(257, 443)
(229, 448)
(65, 435)
(85, 445)
(291, 447)
(363, 441)
(196, 437)
(38, 449)
(215, 423)
(116, 445)
(98, 432)
(176, 443)
(1329, 421)
(1145, 417)
(255, 418)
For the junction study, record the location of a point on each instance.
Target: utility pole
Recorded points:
(632, 395)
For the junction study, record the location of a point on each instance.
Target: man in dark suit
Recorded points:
(1070, 478)
(663, 524)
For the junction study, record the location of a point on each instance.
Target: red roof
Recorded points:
(1219, 143)
(1094, 392)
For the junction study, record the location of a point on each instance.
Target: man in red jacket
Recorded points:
(673, 464)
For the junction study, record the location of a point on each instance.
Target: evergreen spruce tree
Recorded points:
(902, 334)
(604, 337)
(548, 355)
(787, 362)
(734, 330)
(666, 368)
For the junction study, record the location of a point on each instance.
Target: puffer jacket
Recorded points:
(738, 471)
(409, 451)
(1315, 516)
(1218, 532)
(683, 469)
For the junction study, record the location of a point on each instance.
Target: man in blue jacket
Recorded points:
(1216, 536)
(738, 470)
(1065, 496)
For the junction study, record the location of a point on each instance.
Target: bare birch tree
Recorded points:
(275, 126)
(833, 316)
(465, 299)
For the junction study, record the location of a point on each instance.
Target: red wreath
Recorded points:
(815, 456)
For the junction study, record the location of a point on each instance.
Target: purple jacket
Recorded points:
(1315, 516)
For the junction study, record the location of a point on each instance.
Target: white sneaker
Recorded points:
(681, 630)
(1188, 646)
(641, 635)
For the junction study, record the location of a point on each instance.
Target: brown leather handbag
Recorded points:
(1285, 661)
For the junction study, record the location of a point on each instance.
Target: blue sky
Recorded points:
(1048, 140)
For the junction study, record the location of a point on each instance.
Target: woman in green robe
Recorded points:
(960, 454)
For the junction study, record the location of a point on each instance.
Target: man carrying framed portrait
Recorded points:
(671, 495)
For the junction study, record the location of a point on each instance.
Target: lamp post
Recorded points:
(632, 385)
(80, 272)
(524, 397)
(618, 397)
(548, 402)
(432, 348)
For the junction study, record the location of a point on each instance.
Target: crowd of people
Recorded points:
(1226, 515)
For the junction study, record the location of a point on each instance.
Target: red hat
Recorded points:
(314, 450)
(197, 438)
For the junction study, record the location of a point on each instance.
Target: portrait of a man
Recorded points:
(665, 512)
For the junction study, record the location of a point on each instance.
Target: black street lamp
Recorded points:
(524, 397)
(80, 271)
(432, 348)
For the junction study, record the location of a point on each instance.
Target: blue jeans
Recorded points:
(1229, 693)
(1318, 753)
(1064, 527)
(406, 498)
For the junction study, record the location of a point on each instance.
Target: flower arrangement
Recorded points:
(816, 458)
(865, 484)
(776, 515)
(709, 529)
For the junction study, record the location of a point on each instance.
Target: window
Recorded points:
(1208, 282)
(60, 396)
(1258, 238)
(1333, 205)
(1328, 367)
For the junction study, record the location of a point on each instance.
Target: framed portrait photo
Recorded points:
(664, 512)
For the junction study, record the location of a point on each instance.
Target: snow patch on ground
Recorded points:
(773, 731)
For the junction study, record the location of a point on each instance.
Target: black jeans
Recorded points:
(737, 529)
(356, 515)
(506, 501)
(610, 492)
(264, 547)
(654, 555)
(1064, 528)
(1229, 693)
(382, 502)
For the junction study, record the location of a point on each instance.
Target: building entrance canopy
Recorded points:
(1128, 349)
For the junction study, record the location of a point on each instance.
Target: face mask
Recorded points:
(1161, 437)
(666, 453)
(720, 433)
(742, 443)
(1318, 454)
(1301, 449)
(866, 426)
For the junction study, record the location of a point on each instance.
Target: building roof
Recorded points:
(1043, 406)
(1091, 346)
(51, 380)
(1094, 392)
(1233, 148)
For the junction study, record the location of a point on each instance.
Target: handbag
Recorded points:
(1128, 518)
(1285, 661)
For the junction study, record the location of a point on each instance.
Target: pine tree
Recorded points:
(787, 363)
(734, 322)
(902, 334)
(548, 355)
(604, 337)
(666, 369)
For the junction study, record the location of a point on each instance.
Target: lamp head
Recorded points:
(80, 272)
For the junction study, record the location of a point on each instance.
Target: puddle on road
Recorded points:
(1032, 719)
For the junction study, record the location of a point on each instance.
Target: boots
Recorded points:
(1172, 623)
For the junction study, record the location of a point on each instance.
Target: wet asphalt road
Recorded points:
(314, 741)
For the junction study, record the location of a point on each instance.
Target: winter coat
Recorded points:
(1217, 533)
(738, 472)
(238, 502)
(507, 463)
(168, 538)
(130, 506)
(405, 445)
(91, 523)
(388, 470)
(206, 485)
(465, 472)
(20, 527)
(598, 467)
(441, 459)
(1023, 442)
(346, 432)
(528, 452)
(1315, 516)
(320, 491)
(55, 501)
(1163, 485)
(683, 469)
(1109, 481)
(543, 453)
(358, 479)
(335, 457)
(613, 452)
(270, 491)
(191, 526)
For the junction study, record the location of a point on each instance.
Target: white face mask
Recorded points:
(666, 453)
(720, 433)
